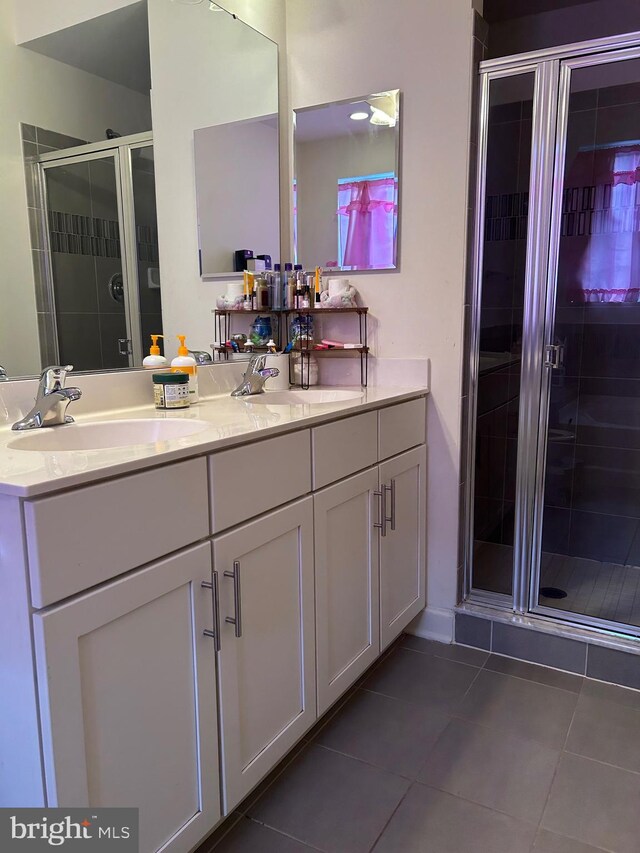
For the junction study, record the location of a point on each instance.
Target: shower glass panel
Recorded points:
(146, 228)
(499, 330)
(590, 554)
(82, 204)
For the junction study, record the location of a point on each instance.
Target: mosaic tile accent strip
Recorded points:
(506, 216)
(73, 234)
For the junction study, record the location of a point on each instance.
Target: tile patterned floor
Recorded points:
(603, 590)
(446, 749)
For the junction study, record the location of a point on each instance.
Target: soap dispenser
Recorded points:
(185, 363)
(154, 360)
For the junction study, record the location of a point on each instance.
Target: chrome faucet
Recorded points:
(3, 374)
(255, 376)
(52, 400)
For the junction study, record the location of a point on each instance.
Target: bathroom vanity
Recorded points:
(174, 617)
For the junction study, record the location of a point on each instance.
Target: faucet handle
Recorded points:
(53, 377)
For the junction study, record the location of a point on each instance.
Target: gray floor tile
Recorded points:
(331, 801)
(450, 651)
(269, 779)
(430, 821)
(523, 708)
(550, 842)
(534, 672)
(612, 693)
(423, 679)
(606, 731)
(492, 768)
(250, 837)
(389, 733)
(595, 803)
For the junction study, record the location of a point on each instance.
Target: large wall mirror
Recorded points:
(346, 183)
(89, 160)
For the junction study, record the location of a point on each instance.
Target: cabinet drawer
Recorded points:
(344, 447)
(401, 427)
(250, 480)
(81, 538)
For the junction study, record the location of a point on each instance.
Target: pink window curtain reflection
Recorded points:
(607, 256)
(368, 215)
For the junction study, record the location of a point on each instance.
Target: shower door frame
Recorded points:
(119, 150)
(552, 68)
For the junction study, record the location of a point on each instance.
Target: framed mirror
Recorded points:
(97, 172)
(346, 183)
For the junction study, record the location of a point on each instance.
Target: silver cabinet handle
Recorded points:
(215, 600)
(237, 618)
(392, 519)
(382, 524)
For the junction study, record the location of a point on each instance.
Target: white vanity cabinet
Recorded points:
(347, 583)
(180, 653)
(402, 542)
(266, 662)
(128, 700)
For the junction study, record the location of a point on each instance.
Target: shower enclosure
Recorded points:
(553, 454)
(101, 274)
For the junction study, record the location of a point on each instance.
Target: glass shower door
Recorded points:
(83, 210)
(498, 331)
(588, 505)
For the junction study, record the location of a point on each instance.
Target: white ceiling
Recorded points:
(113, 46)
(333, 120)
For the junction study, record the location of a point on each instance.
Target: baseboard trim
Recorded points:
(433, 623)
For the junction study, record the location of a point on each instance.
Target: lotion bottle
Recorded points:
(185, 363)
(154, 360)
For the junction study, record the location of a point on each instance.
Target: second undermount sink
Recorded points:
(101, 435)
(299, 397)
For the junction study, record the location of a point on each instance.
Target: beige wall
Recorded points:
(339, 49)
(40, 91)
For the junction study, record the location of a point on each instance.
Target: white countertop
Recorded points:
(229, 421)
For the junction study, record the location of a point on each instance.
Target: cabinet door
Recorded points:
(128, 700)
(347, 584)
(266, 665)
(402, 550)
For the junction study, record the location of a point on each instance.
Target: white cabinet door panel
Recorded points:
(267, 674)
(347, 584)
(402, 551)
(128, 701)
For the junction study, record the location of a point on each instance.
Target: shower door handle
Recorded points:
(124, 346)
(554, 356)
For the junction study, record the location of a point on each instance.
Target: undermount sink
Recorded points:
(299, 397)
(102, 435)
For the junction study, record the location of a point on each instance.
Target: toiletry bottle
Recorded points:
(185, 363)
(154, 359)
(262, 293)
(276, 288)
(288, 286)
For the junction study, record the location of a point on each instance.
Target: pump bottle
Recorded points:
(154, 359)
(185, 363)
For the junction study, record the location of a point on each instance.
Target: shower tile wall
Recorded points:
(506, 209)
(592, 496)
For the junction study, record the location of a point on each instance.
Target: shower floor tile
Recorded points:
(608, 591)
